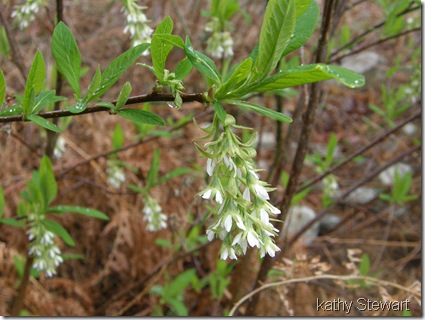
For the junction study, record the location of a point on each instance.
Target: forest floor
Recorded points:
(122, 260)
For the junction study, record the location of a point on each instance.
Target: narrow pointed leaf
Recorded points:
(124, 94)
(118, 66)
(171, 39)
(93, 87)
(272, 114)
(202, 63)
(159, 48)
(183, 69)
(309, 74)
(11, 222)
(44, 123)
(141, 116)
(35, 81)
(220, 111)
(79, 210)
(45, 98)
(11, 111)
(57, 229)
(152, 177)
(276, 31)
(67, 56)
(47, 181)
(238, 77)
(304, 26)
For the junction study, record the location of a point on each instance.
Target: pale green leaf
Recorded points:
(309, 74)
(93, 86)
(272, 114)
(57, 229)
(220, 111)
(47, 181)
(171, 39)
(35, 82)
(152, 177)
(43, 123)
(202, 63)
(79, 210)
(183, 69)
(141, 116)
(304, 26)
(276, 31)
(236, 80)
(67, 56)
(45, 98)
(159, 48)
(124, 94)
(118, 66)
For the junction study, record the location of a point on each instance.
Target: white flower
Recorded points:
(228, 223)
(156, 220)
(210, 166)
(261, 191)
(252, 238)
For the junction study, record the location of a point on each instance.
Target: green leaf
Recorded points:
(309, 74)
(45, 98)
(93, 86)
(78, 107)
(178, 307)
(47, 181)
(172, 174)
(124, 94)
(276, 31)
(67, 56)
(159, 48)
(272, 114)
(152, 177)
(2, 88)
(43, 123)
(304, 26)
(117, 137)
(220, 111)
(202, 63)
(163, 243)
(170, 39)
(106, 105)
(35, 82)
(183, 69)
(364, 265)
(12, 222)
(11, 111)
(330, 150)
(79, 210)
(118, 66)
(141, 116)
(73, 256)
(236, 80)
(57, 229)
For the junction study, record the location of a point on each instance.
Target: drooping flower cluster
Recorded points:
(47, 255)
(154, 216)
(60, 148)
(220, 43)
(26, 12)
(242, 217)
(116, 175)
(136, 24)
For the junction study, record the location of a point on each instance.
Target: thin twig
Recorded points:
(366, 32)
(19, 301)
(359, 183)
(378, 42)
(150, 97)
(371, 280)
(51, 135)
(16, 57)
(374, 142)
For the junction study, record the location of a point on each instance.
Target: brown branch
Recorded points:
(308, 120)
(19, 301)
(150, 97)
